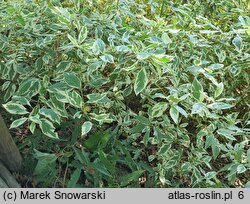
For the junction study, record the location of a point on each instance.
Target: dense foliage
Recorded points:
(112, 92)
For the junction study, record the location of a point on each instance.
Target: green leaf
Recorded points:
(107, 58)
(215, 66)
(5, 85)
(237, 41)
(72, 80)
(219, 90)
(18, 122)
(104, 118)
(21, 100)
(141, 81)
(82, 156)
(27, 86)
(11, 10)
(34, 118)
(134, 176)
(248, 155)
(75, 135)
(73, 40)
(75, 99)
(173, 99)
(59, 87)
(215, 149)
(142, 119)
(198, 108)
(82, 34)
(138, 128)
(98, 47)
(59, 106)
(210, 175)
(46, 157)
(48, 129)
(45, 161)
(146, 137)
(186, 167)
(164, 148)
(106, 162)
(174, 114)
(241, 168)
(197, 90)
(86, 127)
(15, 108)
(98, 98)
(181, 111)
(9, 92)
(63, 66)
(97, 139)
(158, 109)
(143, 55)
(101, 168)
(94, 66)
(220, 106)
(95, 97)
(32, 127)
(49, 158)
(98, 82)
(165, 38)
(247, 185)
(162, 59)
(74, 178)
(122, 48)
(226, 133)
(211, 141)
(51, 114)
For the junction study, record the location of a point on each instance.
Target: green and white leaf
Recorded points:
(220, 106)
(166, 39)
(143, 55)
(18, 122)
(82, 35)
(103, 118)
(48, 128)
(158, 109)
(141, 81)
(51, 114)
(107, 58)
(86, 127)
(21, 100)
(181, 111)
(98, 47)
(98, 98)
(219, 90)
(73, 40)
(174, 113)
(197, 90)
(15, 108)
(75, 99)
(72, 80)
